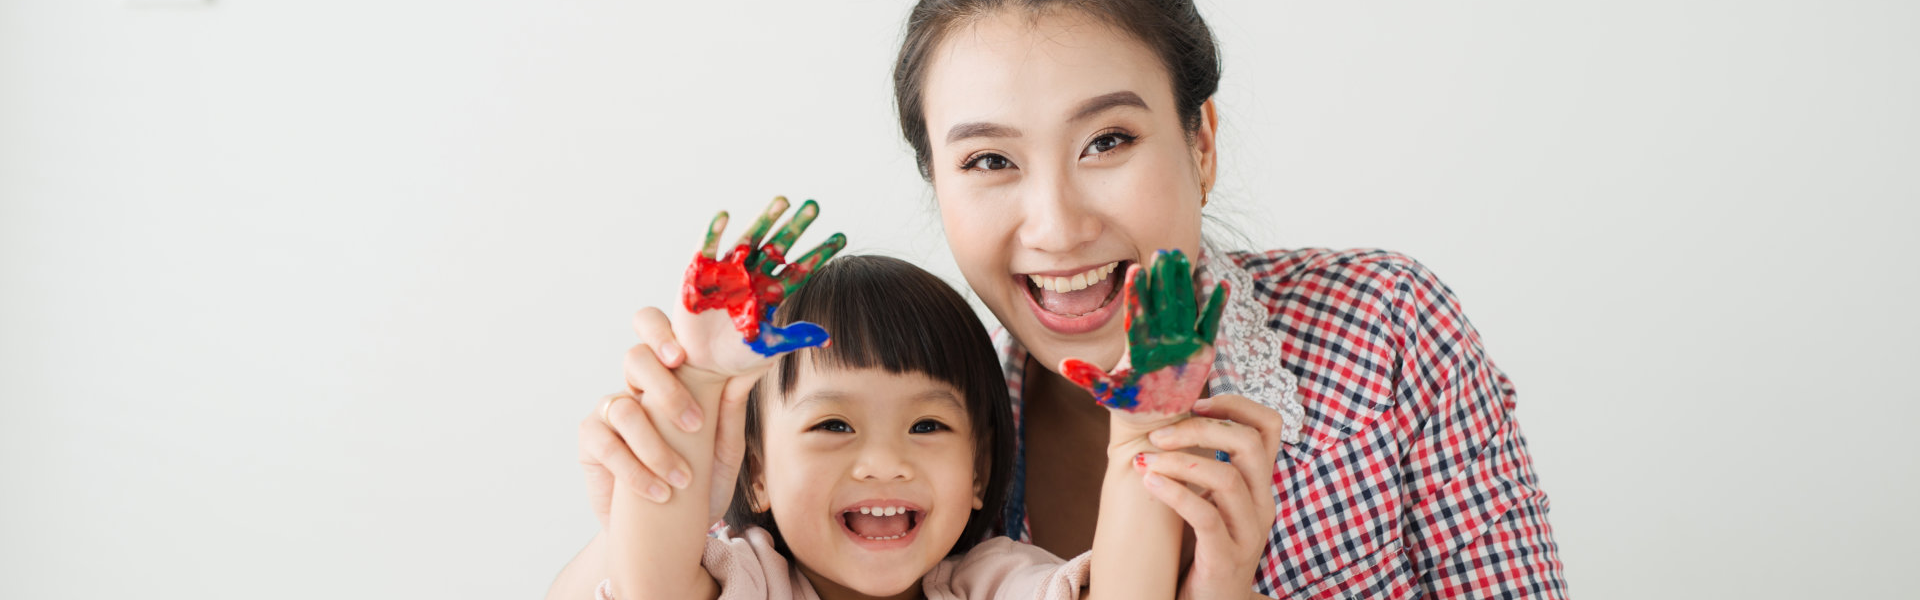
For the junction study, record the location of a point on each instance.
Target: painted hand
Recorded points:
(751, 280)
(1169, 342)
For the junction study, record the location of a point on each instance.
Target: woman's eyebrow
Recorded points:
(979, 129)
(1097, 104)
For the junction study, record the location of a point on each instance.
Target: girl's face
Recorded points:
(870, 476)
(1059, 159)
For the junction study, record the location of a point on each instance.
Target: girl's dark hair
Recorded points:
(1172, 29)
(885, 313)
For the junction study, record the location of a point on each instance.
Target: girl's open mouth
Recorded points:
(882, 526)
(1076, 303)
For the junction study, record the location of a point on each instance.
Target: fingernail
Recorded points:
(657, 493)
(1158, 437)
(690, 420)
(679, 478)
(1202, 405)
(670, 352)
(1153, 480)
(1222, 456)
(1141, 460)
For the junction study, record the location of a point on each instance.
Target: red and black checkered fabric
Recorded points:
(1412, 478)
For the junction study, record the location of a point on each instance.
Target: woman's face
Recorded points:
(869, 474)
(1059, 159)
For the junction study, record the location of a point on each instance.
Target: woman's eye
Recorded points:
(1107, 142)
(834, 426)
(987, 162)
(928, 426)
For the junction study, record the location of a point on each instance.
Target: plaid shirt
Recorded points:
(1410, 478)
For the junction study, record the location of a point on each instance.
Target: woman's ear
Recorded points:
(1206, 150)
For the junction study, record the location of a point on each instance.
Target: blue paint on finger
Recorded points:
(1222, 456)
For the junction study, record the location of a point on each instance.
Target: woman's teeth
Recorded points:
(1079, 281)
(886, 511)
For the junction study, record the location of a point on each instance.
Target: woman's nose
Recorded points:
(1057, 217)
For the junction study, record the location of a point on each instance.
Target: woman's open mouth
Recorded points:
(1079, 302)
(882, 525)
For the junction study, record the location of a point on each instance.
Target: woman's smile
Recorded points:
(1075, 300)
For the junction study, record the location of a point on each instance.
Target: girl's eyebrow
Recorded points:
(935, 395)
(1092, 106)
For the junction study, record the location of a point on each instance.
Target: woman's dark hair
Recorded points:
(885, 313)
(1172, 29)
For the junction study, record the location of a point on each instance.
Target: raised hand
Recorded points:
(1169, 342)
(749, 282)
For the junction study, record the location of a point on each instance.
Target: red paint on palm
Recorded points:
(728, 283)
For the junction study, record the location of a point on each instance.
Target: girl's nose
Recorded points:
(1057, 217)
(882, 461)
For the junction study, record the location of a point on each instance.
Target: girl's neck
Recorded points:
(828, 589)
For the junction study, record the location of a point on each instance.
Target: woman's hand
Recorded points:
(1233, 508)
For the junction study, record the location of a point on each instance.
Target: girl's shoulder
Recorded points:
(1003, 568)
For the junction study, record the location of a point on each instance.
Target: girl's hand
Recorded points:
(749, 281)
(1232, 512)
(1169, 346)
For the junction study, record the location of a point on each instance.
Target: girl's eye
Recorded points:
(986, 162)
(834, 426)
(927, 426)
(1107, 142)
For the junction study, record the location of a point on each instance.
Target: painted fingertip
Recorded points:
(1222, 456)
(1142, 460)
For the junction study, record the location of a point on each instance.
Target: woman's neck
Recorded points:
(829, 589)
(1061, 399)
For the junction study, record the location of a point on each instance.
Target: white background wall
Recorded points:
(307, 298)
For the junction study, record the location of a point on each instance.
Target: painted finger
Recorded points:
(751, 238)
(711, 247)
(656, 330)
(783, 239)
(774, 341)
(1210, 320)
(797, 272)
(1174, 276)
(631, 421)
(602, 445)
(647, 378)
(1137, 327)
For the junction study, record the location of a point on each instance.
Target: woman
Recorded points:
(1370, 444)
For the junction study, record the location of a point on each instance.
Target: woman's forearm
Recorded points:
(654, 549)
(1136, 541)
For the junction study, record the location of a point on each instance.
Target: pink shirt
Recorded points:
(747, 567)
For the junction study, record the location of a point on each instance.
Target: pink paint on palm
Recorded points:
(1174, 389)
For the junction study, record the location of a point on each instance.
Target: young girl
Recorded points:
(873, 465)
